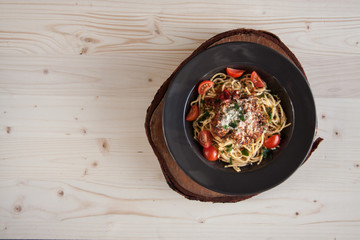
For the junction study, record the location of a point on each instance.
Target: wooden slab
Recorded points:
(174, 176)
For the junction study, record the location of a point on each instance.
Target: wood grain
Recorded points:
(88, 27)
(76, 78)
(65, 76)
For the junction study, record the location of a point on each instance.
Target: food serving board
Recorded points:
(174, 175)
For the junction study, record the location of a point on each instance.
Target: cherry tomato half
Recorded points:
(193, 113)
(235, 73)
(272, 141)
(210, 153)
(205, 138)
(225, 96)
(204, 86)
(256, 80)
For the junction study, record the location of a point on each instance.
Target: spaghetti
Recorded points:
(238, 118)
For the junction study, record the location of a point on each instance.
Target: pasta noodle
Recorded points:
(240, 117)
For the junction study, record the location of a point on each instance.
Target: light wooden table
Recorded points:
(76, 78)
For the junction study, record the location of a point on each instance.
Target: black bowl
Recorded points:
(274, 85)
(283, 78)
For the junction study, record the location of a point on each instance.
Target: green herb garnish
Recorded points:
(262, 95)
(228, 147)
(205, 115)
(267, 153)
(231, 160)
(222, 151)
(236, 106)
(233, 124)
(225, 126)
(269, 111)
(242, 117)
(245, 152)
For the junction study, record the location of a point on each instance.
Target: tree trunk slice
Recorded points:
(174, 176)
